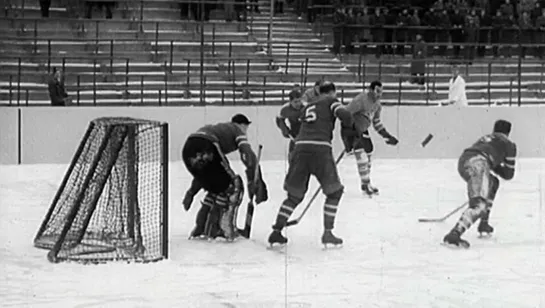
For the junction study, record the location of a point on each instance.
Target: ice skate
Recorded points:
(369, 190)
(197, 233)
(453, 238)
(329, 239)
(276, 237)
(485, 230)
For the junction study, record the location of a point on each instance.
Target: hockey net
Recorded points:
(113, 201)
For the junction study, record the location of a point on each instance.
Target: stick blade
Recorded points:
(430, 220)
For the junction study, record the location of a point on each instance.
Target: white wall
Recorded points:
(52, 134)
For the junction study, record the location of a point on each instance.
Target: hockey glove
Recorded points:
(190, 194)
(391, 140)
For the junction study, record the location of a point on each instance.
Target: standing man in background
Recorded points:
(457, 88)
(57, 92)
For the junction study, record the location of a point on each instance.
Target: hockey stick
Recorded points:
(441, 219)
(250, 212)
(298, 219)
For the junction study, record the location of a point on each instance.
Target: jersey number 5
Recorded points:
(310, 114)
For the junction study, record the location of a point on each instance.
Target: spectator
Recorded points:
(482, 5)
(457, 89)
(108, 5)
(498, 22)
(485, 22)
(525, 6)
(339, 22)
(414, 22)
(418, 64)
(379, 36)
(507, 9)
(364, 19)
(457, 34)
(443, 25)
(509, 35)
(44, 7)
(401, 32)
(526, 27)
(536, 12)
(471, 29)
(430, 21)
(390, 18)
(349, 31)
(57, 92)
(540, 24)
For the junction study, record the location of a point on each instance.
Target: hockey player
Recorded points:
(312, 94)
(291, 112)
(313, 155)
(491, 153)
(204, 157)
(366, 110)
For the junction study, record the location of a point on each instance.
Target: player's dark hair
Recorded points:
(318, 83)
(294, 94)
(502, 126)
(375, 84)
(327, 87)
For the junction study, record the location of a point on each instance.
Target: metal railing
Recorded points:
(240, 79)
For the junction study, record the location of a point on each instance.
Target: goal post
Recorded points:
(113, 201)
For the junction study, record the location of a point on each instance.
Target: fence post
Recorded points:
(26, 97)
(111, 56)
(510, 90)
(380, 69)
(488, 83)
(166, 84)
(78, 89)
(306, 70)
(234, 83)
(213, 39)
(188, 79)
(49, 51)
(399, 90)
(35, 36)
(230, 50)
(160, 98)
(287, 58)
(247, 72)
(519, 75)
(127, 75)
(222, 97)
(435, 75)
(171, 54)
(19, 81)
(10, 88)
(156, 38)
(142, 89)
(264, 85)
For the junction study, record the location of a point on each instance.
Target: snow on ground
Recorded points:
(388, 260)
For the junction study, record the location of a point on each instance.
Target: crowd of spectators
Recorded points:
(454, 23)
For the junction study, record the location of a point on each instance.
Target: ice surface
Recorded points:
(388, 260)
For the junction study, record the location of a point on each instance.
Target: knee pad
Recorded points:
(334, 198)
(361, 156)
(494, 186)
(479, 203)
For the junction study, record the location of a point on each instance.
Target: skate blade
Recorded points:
(198, 238)
(329, 246)
(454, 246)
(484, 235)
(276, 247)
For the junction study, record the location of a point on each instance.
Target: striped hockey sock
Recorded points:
(330, 209)
(477, 208)
(363, 162)
(285, 211)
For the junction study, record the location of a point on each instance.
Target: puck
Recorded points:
(427, 140)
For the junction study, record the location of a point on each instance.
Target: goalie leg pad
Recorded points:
(330, 208)
(476, 172)
(285, 211)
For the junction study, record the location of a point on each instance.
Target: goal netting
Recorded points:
(113, 201)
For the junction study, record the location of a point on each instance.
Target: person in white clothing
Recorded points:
(457, 89)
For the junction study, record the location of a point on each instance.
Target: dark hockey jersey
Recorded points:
(318, 121)
(228, 135)
(500, 152)
(293, 115)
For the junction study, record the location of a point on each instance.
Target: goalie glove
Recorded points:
(391, 140)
